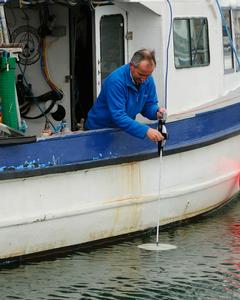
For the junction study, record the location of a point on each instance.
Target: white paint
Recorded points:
(59, 210)
(229, 3)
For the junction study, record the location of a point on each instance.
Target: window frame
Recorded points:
(233, 69)
(102, 19)
(190, 43)
(236, 67)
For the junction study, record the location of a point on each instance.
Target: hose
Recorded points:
(167, 55)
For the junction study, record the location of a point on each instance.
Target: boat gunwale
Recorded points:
(90, 164)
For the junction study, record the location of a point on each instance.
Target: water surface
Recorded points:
(206, 265)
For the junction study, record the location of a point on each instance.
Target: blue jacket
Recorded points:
(120, 101)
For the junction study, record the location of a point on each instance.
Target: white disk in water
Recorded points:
(157, 247)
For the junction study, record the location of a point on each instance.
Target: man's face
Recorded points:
(141, 73)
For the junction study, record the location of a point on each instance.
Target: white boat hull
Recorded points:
(53, 211)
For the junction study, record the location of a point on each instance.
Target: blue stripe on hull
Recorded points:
(110, 145)
(204, 127)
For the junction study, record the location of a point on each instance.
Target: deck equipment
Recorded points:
(8, 90)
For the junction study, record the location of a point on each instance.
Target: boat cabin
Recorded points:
(65, 50)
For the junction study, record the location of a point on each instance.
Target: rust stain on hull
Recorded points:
(125, 220)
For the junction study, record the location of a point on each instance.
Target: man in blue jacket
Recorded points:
(127, 91)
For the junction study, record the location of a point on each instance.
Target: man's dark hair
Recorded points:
(143, 54)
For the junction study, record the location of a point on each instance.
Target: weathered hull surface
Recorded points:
(47, 212)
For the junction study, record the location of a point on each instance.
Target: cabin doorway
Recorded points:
(81, 45)
(98, 46)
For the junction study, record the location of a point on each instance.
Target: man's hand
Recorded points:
(154, 135)
(162, 114)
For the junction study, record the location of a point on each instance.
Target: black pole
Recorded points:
(163, 133)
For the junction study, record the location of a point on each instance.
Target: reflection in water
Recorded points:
(206, 265)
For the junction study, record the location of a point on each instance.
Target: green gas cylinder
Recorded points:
(8, 91)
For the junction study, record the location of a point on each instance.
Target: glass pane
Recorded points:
(181, 43)
(111, 43)
(199, 41)
(227, 50)
(236, 15)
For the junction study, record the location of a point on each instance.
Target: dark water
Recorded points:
(206, 265)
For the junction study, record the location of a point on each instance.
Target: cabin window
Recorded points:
(111, 43)
(227, 49)
(191, 43)
(236, 18)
